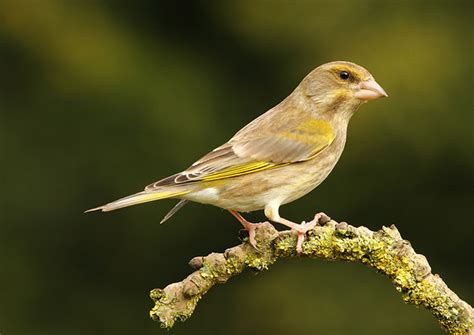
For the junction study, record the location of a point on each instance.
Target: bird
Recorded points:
(277, 158)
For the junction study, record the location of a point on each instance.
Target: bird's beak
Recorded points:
(370, 90)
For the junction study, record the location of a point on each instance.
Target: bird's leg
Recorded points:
(271, 212)
(249, 226)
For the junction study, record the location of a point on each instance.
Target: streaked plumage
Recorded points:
(277, 158)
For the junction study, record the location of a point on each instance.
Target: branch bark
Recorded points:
(383, 250)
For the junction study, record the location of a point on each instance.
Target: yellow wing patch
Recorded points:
(241, 170)
(317, 133)
(312, 131)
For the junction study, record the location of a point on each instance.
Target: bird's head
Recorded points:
(341, 86)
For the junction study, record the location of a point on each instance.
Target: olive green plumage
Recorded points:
(280, 156)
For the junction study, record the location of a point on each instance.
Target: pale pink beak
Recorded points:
(370, 90)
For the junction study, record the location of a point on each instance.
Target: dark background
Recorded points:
(99, 98)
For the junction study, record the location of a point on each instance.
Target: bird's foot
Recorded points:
(304, 227)
(251, 229)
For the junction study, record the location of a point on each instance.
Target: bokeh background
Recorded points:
(99, 98)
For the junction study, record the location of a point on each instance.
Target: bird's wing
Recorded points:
(242, 156)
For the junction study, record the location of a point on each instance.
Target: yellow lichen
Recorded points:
(383, 250)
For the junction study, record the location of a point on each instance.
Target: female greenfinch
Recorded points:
(278, 157)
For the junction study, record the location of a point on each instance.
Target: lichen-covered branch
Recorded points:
(383, 250)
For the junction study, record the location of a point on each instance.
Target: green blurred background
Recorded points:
(99, 98)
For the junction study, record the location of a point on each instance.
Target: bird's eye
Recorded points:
(344, 75)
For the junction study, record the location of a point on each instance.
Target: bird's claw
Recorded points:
(304, 227)
(251, 230)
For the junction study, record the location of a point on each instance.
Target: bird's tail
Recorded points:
(137, 198)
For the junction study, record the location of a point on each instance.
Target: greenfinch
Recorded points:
(278, 157)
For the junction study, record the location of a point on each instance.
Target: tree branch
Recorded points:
(383, 250)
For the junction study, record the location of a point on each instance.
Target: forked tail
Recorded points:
(137, 198)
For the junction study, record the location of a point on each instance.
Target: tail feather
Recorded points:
(135, 199)
(173, 210)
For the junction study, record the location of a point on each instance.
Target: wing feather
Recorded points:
(242, 156)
